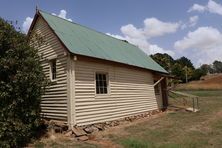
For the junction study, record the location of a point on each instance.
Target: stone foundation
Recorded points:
(82, 132)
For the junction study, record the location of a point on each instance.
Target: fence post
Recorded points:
(197, 103)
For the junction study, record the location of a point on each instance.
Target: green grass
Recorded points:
(205, 93)
(180, 129)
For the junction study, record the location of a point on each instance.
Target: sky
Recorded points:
(190, 28)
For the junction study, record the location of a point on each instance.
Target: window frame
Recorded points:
(107, 83)
(51, 63)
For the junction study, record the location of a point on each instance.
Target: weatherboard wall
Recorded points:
(54, 101)
(130, 92)
(72, 97)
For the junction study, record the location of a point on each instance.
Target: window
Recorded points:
(157, 88)
(53, 69)
(101, 83)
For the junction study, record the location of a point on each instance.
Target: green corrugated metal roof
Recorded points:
(84, 41)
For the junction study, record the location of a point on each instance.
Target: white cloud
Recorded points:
(142, 42)
(211, 7)
(202, 38)
(154, 27)
(116, 36)
(63, 14)
(197, 7)
(214, 7)
(156, 49)
(193, 20)
(205, 43)
(191, 23)
(26, 24)
(140, 36)
(132, 32)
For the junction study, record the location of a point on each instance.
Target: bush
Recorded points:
(21, 85)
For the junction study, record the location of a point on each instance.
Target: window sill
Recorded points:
(53, 81)
(102, 95)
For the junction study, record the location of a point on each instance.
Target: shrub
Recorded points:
(22, 83)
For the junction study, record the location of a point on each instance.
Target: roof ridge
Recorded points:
(88, 28)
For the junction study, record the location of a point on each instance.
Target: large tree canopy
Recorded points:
(217, 65)
(185, 62)
(165, 60)
(21, 85)
(183, 68)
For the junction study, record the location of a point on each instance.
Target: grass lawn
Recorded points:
(169, 130)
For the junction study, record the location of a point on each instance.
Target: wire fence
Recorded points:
(183, 100)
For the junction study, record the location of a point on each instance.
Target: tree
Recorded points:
(165, 60)
(206, 69)
(178, 71)
(217, 66)
(198, 73)
(183, 61)
(22, 83)
(182, 68)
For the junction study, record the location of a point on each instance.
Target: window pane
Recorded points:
(53, 69)
(97, 78)
(105, 90)
(101, 84)
(104, 83)
(101, 90)
(100, 77)
(104, 77)
(156, 89)
(97, 90)
(97, 84)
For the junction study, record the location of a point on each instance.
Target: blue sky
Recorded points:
(190, 28)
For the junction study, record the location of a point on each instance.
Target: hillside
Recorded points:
(212, 81)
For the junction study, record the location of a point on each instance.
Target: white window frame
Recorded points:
(50, 69)
(107, 82)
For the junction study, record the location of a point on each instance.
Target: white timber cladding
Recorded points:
(130, 91)
(54, 102)
(71, 91)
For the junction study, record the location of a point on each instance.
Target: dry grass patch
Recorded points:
(209, 82)
(165, 130)
(179, 129)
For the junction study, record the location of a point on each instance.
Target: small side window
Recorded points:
(53, 70)
(157, 88)
(101, 83)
